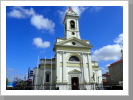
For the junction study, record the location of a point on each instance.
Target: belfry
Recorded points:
(72, 67)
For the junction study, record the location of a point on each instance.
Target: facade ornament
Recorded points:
(64, 52)
(89, 53)
(59, 52)
(84, 54)
(74, 83)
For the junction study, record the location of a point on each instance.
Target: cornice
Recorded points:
(73, 38)
(61, 83)
(71, 46)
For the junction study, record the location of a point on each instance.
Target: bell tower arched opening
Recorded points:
(72, 24)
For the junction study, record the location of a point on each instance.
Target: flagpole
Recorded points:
(51, 71)
(28, 72)
(36, 73)
(17, 78)
(44, 73)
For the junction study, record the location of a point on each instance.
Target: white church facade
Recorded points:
(72, 67)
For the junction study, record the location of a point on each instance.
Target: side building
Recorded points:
(116, 72)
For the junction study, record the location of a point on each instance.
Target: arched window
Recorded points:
(72, 24)
(47, 77)
(73, 58)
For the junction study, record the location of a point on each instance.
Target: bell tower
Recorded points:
(71, 24)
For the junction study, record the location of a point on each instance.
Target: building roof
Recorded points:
(48, 59)
(106, 75)
(116, 62)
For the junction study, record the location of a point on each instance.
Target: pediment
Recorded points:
(75, 71)
(73, 42)
(71, 12)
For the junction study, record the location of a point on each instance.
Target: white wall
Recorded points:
(47, 62)
(100, 76)
(40, 76)
(94, 63)
(98, 73)
(61, 74)
(70, 43)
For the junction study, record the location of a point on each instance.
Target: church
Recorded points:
(72, 67)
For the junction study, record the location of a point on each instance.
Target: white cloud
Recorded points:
(37, 20)
(28, 12)
(109, 52)
(119, 39)
(95, 8)
(42, 23)
(78, 9)
(107, 65)
(61, 14)
(40, 44)
(16, 14)
(20, 12)
(104, 69)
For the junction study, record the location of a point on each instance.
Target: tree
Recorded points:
(7, 81)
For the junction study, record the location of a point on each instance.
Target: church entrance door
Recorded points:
(75, 83)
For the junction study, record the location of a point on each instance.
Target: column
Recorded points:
(78, 33)
(84, 67)
(90, 66)
(58, 66)
(64, 67)
(95, 75)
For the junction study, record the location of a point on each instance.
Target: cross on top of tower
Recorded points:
(70, 9)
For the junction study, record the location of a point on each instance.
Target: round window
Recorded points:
(73, 33)
(73, 43)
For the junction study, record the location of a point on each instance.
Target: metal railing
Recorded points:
(69, 87)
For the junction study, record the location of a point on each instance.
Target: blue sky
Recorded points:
(32, 31)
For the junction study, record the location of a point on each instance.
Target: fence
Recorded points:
(69, 87)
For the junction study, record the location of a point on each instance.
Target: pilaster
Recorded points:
(84, 67)
(90, 65)
(64, 67)
(58, 66)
